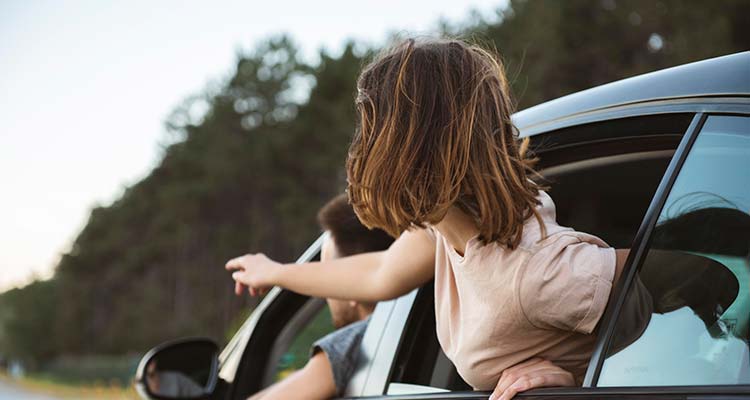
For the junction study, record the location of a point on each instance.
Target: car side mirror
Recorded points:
(180, 369)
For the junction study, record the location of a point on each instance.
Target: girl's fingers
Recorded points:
(532, 373)
(536, 379)
(241, 274)
(510, 375)
(233, 264)
(239, 286)
(507, 394)
(523, 384)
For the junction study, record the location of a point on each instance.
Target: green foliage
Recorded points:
(26, 318)
(554, 48)
(248, 163)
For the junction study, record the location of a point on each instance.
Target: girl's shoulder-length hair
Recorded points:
(433, 132)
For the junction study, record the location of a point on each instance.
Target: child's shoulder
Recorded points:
(554, 234)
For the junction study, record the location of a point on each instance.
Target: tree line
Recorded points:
(249, 161)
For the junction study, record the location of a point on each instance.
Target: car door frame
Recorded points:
(635, 260)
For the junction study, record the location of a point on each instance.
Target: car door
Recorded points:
(275, 338)
(725, 139)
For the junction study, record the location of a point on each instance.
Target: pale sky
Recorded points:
(86, 85)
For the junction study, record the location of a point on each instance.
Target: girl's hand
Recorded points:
(253, 272)
(533, 373)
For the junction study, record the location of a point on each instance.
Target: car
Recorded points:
(658, 163)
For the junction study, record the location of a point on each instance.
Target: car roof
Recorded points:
(725, 76)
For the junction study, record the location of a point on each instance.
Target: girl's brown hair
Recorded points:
(434, 132)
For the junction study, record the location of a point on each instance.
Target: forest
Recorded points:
(247, 163)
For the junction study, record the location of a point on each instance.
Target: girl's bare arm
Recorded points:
(407, 264)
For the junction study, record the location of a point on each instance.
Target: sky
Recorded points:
(85, 87)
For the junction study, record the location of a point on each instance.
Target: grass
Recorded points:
(48, 386)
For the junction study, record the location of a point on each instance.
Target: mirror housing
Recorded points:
(186, 369)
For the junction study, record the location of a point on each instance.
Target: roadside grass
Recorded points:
(44, 385)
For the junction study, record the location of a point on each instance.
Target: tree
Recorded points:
(248, 162)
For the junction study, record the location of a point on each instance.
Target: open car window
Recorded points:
(685, 318)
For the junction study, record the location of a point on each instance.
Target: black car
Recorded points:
(658, 163)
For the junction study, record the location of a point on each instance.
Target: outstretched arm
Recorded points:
(314, 381)
(370, 277)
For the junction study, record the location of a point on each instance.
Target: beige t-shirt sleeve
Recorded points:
(566, 282)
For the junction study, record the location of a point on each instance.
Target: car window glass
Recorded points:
(298, 353)
(685, 317)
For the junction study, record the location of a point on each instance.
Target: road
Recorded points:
(10, 392)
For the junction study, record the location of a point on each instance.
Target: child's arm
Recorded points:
(370, 277)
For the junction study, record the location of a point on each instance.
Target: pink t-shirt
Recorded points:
(497, 307)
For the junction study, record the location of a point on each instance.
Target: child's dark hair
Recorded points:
(350, 236)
